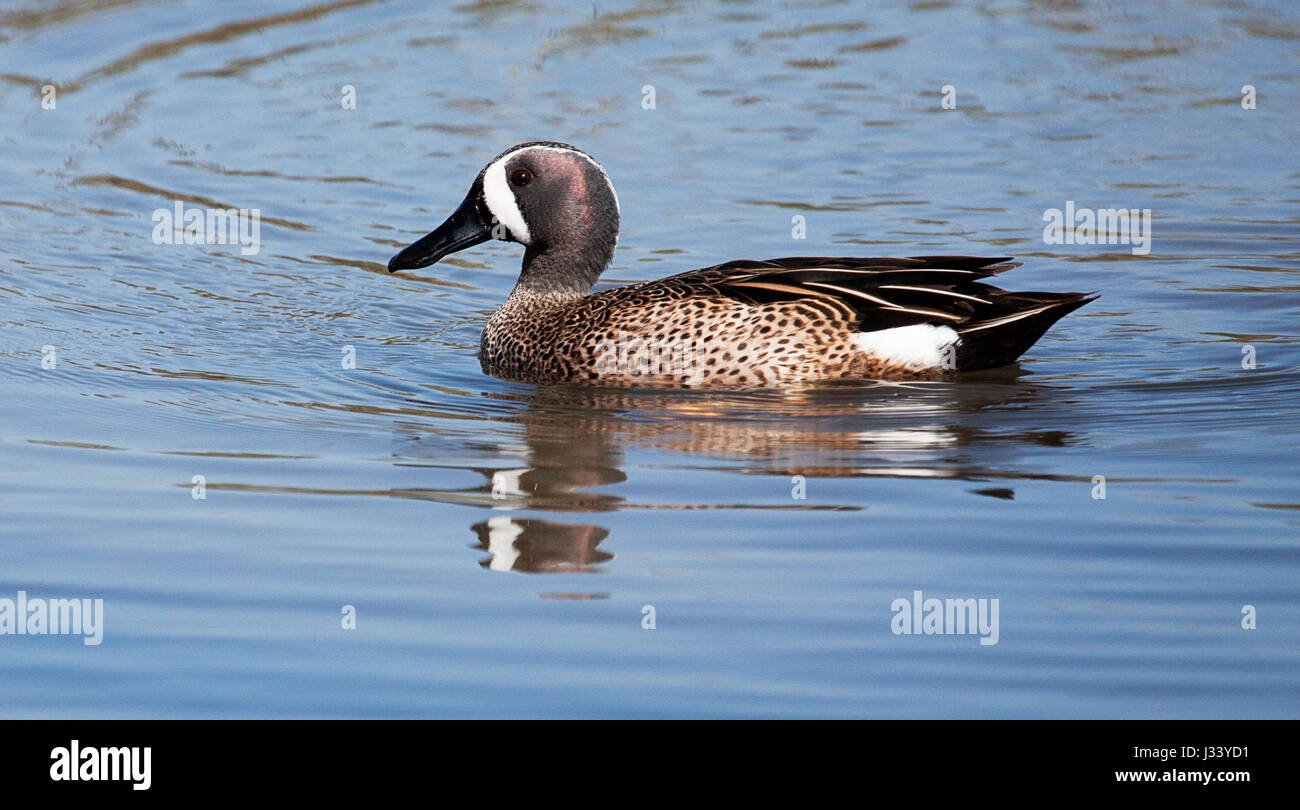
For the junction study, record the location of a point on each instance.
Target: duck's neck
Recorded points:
(562, 272)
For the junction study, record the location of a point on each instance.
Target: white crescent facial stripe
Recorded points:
(500, 200)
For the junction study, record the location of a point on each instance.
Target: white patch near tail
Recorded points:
(502, 533)
(920, 346)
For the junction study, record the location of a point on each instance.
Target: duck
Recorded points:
(743, 323)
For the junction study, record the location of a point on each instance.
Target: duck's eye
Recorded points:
(521, 177)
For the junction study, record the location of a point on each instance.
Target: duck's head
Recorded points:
(552, 198)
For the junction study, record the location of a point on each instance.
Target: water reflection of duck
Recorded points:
(536, 546)
(743, 323)
(576, 434)
(575, 439)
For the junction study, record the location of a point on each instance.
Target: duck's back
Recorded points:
(779, 321)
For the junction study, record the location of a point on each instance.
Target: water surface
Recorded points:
(500, 542)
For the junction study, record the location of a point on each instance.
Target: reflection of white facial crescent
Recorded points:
(505, 483)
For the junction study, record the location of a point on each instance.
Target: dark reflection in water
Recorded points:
(535, 546)
(577, 438)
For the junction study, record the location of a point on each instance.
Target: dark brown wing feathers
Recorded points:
(996, 325)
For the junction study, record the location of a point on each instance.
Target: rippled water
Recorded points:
(500, 542)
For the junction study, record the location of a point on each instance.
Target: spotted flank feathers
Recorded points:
(743, 323)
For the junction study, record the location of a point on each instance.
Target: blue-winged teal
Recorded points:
(742, 323)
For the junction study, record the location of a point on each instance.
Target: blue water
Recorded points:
(500, 543)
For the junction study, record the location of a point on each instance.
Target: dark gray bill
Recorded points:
(469, 226)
